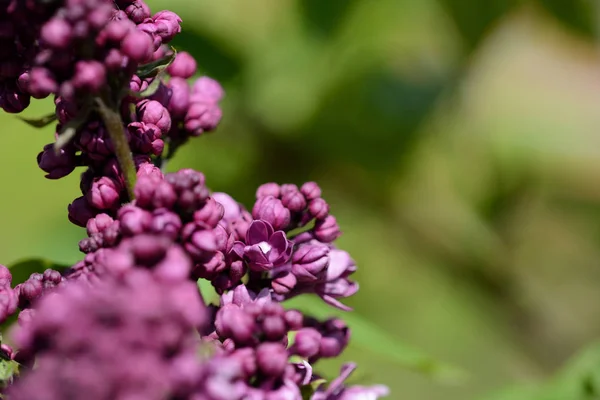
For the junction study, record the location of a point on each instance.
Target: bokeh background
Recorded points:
(457, 142)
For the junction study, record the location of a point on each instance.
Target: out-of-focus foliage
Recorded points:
(458, 142)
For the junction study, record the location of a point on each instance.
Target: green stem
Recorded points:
(114, 126)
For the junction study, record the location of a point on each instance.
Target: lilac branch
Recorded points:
(114, 126)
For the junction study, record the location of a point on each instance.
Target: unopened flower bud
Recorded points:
(184, 66)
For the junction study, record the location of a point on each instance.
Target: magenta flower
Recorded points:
(264, 249)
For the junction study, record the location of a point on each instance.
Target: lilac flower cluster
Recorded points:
(122, 337)
(128, 321)
(83, 50)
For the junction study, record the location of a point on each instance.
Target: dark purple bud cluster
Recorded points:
(20, 24)
(89, 44)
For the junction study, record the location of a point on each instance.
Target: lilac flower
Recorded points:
(337, 391)
(264, 248)
(337, 285)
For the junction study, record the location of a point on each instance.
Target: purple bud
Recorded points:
(293, 200)
(318, 208)
(29, 290)
(8, 303)
(210, 214)
(246, 358)
(271, 209)
(99, 224)
(134, 220)
(115, 31)
(56, 33)
(41, 83)
(138, 11)
(190, 188)
(57, 165)
(293, 319)
(274, 327)
(115, 60)
(184, 66)
(311, 191)
(89, 76)
(232, 322)
(138, 46)
(146, 168)
(201, 243)
(306, 343)
(231, 208)
(80, 211)
(207, 90)
(146, 137)
(268, 189)
(284, 284)
(336, 336)
(179, 97)
(309, 261)
(13, 99)
(136, 84)
(167, 25)
(152, 112)
(327, 230)
(166, 222)
(175, 266)
(65, 110)
(105, 193)
(271, 359)
(202, 117)
(5, 277)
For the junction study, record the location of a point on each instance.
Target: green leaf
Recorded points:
(153, 68)
(378, 342)
(577, 15)
(39, 122)
(23, 269)
(579, 379)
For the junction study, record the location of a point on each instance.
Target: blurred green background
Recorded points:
(457, 142)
